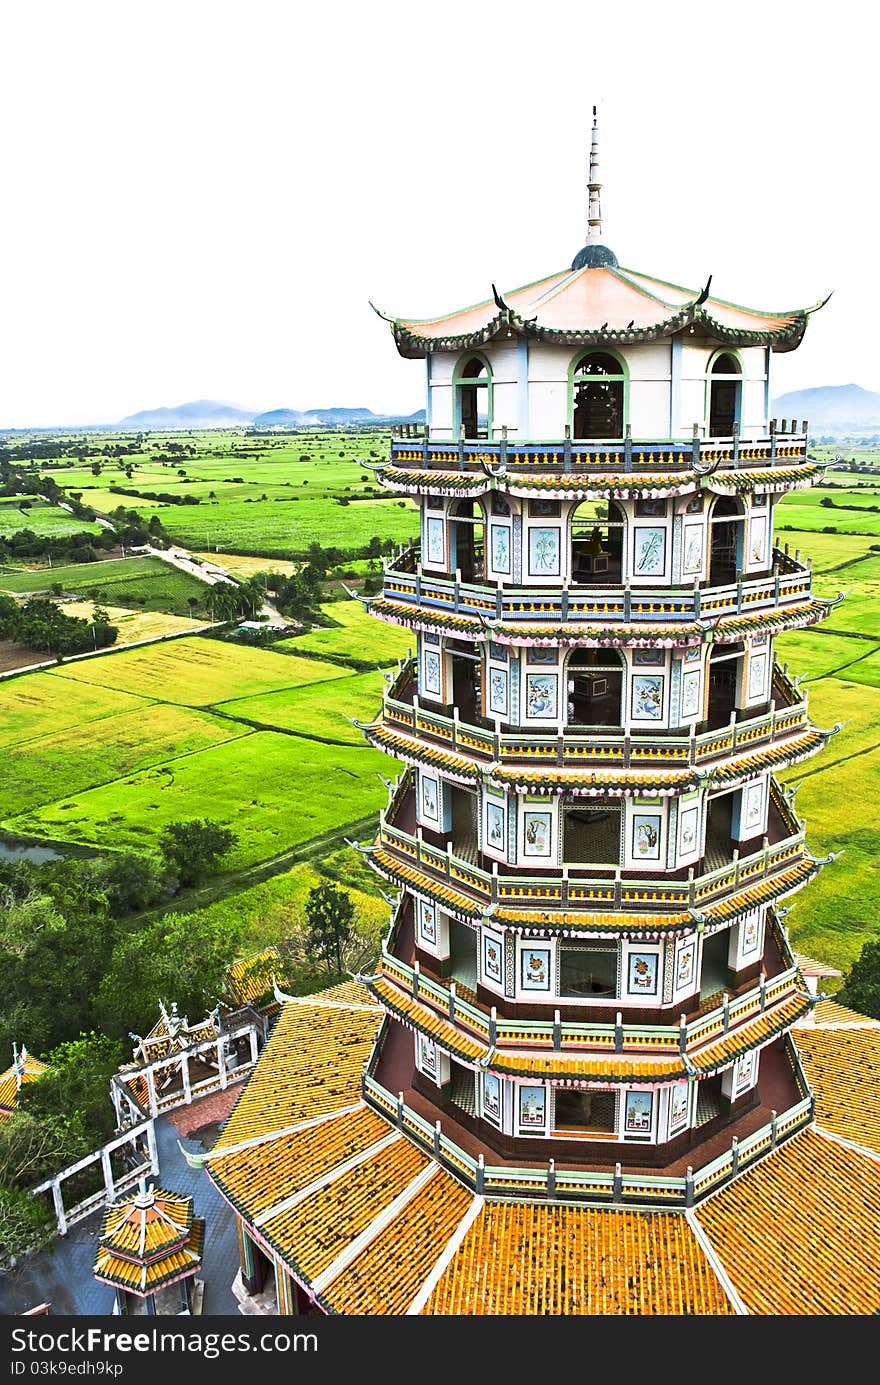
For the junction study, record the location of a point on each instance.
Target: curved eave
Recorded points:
(507, 323)
(616, 780)
(598, 1069)
(574, 922)
(614, 634)
(599, 486)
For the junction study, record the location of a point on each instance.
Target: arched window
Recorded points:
(597, 534)
(725, 395)
(726, 538)
(598, 386)
(595, 688)
(473, 398)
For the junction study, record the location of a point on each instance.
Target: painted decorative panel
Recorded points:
(493, 950)
(750, 937)
(688, 828)
(690, 693)
(757, 674)
(498, 691)
(500, 547)
(434, 541)
(684, 964)
(758, 539)
(646, 828)
(692, 561)
(679, 1100)
(496, 825)
(534, 964)
(753, 806)
(638, 1113)
(537, 832)
(643, 973)
(647, 696)
(427, 922)
(492, 1098)
(431, 671)
(532, 1108)
(651, 657)
(744, 1071)
(544, 549)
(541, 694)
(427, 1055)
(430, 797)
(649, 552)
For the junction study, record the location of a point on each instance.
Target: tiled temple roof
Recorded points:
(145, 1279)
(149, 1240)
(595, 306)
(370, 1224)
(25, 1068)
(413, 748)
(597, 485)
(841, 1059)
(800, 1232)
(537, 1260)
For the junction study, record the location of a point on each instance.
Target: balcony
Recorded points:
(787, 588)
(411, 855)
(564, 456)
(470, 1149)
(480, 744)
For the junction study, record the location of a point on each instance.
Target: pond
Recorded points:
(20, 851)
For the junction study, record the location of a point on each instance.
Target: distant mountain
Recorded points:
(210, 413)
(831, 408)
(200, 413)
(336, 417)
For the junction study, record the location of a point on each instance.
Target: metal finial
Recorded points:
(594, 214)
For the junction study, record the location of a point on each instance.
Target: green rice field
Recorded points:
(147, 583)
(46, 521)
(353, 634)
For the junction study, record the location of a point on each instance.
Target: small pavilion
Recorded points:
(150, 1249)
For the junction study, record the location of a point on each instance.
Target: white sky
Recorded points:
(199, 197)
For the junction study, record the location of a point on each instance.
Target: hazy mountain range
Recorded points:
(210, 413)
(831, 408)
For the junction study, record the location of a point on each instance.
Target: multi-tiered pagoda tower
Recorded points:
(586, 969)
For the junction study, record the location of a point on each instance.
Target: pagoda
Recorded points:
(150, 1248)
(587, 1075)
(586, 965)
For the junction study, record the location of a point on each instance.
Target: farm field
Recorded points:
(198, 672)
(92, 762)
(324, 716)
(135, 626)
(47, 521)
(269, 495)
(354, 634)
(148, 583)
(241, 565)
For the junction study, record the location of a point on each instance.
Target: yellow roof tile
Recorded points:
(539, 1260)
(312, 1234)
(843, 1069)
(800, 1232)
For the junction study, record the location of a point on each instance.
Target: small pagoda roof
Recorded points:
(810, 967)
(25, 1068)
(149, 1240)
(249, 980)
(600, 305)
(840, 1051)
(171, 1034)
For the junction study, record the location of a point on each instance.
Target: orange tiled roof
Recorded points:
(148, 1225)
(544, 1260)
(311, 1234)
(590, 484)
(843, 1069)
(250, 978)
(311, 1065)
(29, 1069)
(800, 1232)
(828, 1012)
(144, 1279)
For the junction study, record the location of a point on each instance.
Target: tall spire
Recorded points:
(594, 215)
(594, 254)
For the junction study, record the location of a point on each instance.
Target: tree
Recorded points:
(861, 987)
(192, 849)
(75, 1087)
(330, 916)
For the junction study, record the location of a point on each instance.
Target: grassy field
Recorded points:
(354, 634)
(145, 582)
(47, 521)
(270, 495)
(135, 626)
(108, 751)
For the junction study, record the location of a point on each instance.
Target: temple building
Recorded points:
(25, 1068)
(581, 1039)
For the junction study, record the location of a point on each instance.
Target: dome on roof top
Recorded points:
(594, 257)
